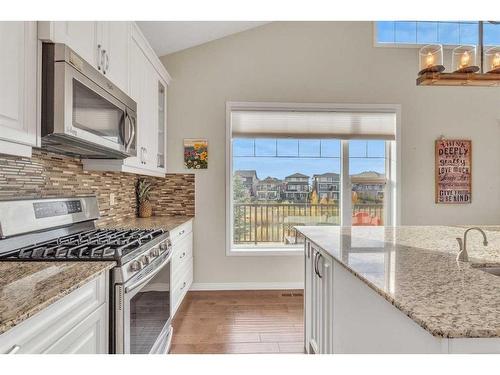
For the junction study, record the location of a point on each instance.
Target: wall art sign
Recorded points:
(196, 153)
(453, 171)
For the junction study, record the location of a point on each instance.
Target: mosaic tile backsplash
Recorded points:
(48, 175)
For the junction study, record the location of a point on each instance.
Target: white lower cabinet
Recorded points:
(77, 323)
(88, 337)
(319, 300)
(182, 263)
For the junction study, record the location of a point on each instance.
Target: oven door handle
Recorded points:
(140, 282)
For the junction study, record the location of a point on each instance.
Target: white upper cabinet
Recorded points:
(113, 37)
(18, 87)
(143, 83)
(104, 45)
(146, 82)
(81, 36)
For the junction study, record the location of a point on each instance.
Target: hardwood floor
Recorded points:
(264, 321)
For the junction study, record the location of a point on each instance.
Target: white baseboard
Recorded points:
(246, 286)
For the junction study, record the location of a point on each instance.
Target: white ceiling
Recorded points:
(172, 36)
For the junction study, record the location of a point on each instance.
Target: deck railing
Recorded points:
(263, 223)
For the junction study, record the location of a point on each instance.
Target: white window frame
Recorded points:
(392, 194)
(377, 44)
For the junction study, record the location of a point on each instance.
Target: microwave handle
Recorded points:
(128, 143)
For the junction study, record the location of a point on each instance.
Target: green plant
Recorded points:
(143, 190)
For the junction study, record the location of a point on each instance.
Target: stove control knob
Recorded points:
(154, 253)
(145, 260)
(163, 246)
(136, 266)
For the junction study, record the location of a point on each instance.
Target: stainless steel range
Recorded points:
(64, 229)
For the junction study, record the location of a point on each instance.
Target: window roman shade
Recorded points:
(313, 124)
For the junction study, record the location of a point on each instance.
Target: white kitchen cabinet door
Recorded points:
(144, 90)
(18, 87)
(81, 37)
(88, 337)
(114, 38)
(137, 82)
(151, 123)
(308, 279)
(321, 303)
(64, 320)
(325, 273)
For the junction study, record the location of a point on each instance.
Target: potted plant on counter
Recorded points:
(143, 191)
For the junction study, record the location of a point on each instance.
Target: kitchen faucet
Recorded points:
(462, 254)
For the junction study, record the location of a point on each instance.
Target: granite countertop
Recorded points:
(167, 223)
(415, 269)
(28, 287)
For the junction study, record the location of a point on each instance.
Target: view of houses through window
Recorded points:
(282, 183)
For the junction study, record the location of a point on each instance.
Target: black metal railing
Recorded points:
(263, 223)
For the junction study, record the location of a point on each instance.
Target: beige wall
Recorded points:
(332, 62)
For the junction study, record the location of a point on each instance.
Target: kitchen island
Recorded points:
(400, 290)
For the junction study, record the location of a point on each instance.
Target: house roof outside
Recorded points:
(246, 173)
(368, 177)
(297, 175)
(328, 174)
(270, 180)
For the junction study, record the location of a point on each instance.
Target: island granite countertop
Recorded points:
(415, 269)
(167, 223)
(28, 287)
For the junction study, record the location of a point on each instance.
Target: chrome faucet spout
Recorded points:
(463, 256)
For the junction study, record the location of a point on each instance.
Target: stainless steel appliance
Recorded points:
(84, 113)
(64, 229)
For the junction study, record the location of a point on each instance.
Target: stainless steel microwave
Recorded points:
(83, 113)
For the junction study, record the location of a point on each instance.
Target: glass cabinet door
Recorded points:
(161, 124)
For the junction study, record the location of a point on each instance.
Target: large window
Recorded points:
(288, 169)
(427, 32)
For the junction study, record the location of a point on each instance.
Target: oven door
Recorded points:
(143, 311)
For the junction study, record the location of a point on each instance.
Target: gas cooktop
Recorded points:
(96, 244)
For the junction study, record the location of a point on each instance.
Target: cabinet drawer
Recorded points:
(180, 272)
(88, 337)
(40, 332)
(181, 286)
(181, 231)
(182, 251)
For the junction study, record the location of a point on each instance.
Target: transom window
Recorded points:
(428, 32)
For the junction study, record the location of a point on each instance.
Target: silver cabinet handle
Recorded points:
(103, 52)
(182, 232)
(103, 55)
(183, 255)
(317, 265)
(13, 350)
(183, 285)
(99, 57)
(142, 155)
(107, 62)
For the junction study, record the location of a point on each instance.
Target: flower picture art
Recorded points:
(196, 153)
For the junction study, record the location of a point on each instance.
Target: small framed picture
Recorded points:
(196, 153)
